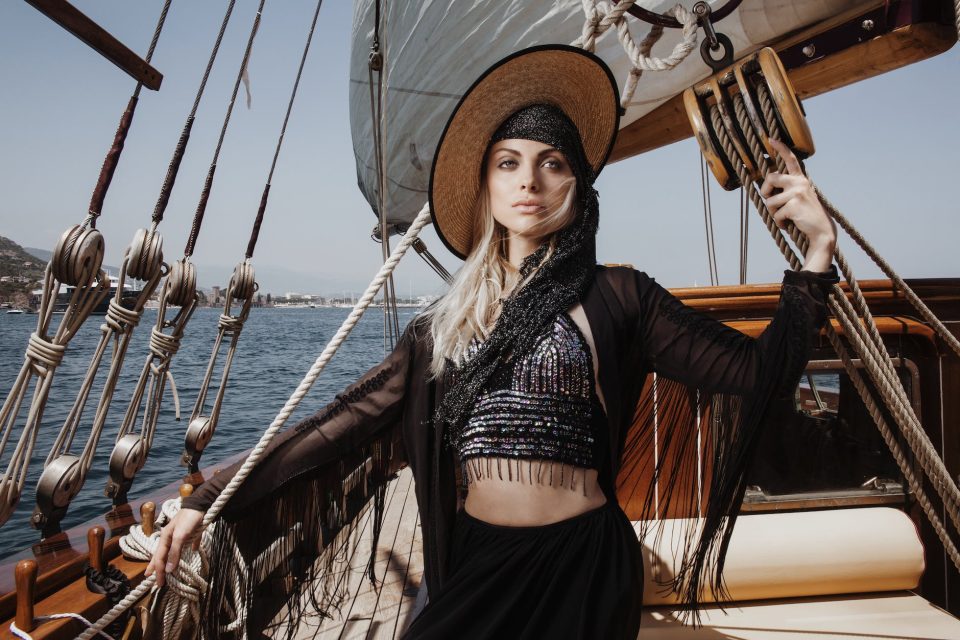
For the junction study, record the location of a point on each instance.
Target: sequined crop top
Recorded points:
(543, 408)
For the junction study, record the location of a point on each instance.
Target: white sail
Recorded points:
(434, 50)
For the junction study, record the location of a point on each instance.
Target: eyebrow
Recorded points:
(541, 154)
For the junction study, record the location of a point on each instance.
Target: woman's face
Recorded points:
(526, 180)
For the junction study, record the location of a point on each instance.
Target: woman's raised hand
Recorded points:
(179, 531)
(797, 201)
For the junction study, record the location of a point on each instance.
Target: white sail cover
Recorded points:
(435, 49)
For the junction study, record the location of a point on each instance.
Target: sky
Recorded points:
(885, 155)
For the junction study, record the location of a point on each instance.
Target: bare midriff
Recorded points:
(531, 503)
(536, 501)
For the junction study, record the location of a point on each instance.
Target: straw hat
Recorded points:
(576, 81)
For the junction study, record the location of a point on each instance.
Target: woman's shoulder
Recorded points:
(623, 280)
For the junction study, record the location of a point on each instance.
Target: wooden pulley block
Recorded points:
(751, 82)
(789, 111)
(698, 113)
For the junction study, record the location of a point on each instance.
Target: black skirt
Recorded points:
(576, 578)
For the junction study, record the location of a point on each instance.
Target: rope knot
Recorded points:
(162, 345)
(121, 319)
(233, 324)
(42, 351)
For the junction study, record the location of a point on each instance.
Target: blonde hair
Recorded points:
(471, 306)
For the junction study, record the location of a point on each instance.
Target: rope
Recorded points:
(180, 290)
(15, 630)
(242, 284)
(208, 184)
(866, 341)
(77, 255)
(200, 429)
(180, 602)
(708, 221)
(118, 327)
(255, 232)
(898, 282)
(422, 219)
(600, 15)
(181, 147)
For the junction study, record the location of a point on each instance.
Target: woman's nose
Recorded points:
(529, 181)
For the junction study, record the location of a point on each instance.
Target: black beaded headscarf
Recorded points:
(558, 284)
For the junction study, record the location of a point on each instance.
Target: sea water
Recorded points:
(275, 350)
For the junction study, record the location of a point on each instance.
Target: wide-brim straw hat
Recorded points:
(576, 81)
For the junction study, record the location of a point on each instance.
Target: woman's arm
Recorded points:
(691, 347)
(354, 418)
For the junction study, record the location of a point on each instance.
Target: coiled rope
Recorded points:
(422, 219)
(865, 341)
(601, 15)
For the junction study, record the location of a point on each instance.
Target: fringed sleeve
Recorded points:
(699, 415)
(287, 535)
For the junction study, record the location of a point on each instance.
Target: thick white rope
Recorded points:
(20, 633)
(365, 300)
(601, 15)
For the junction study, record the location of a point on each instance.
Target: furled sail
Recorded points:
(434, 49)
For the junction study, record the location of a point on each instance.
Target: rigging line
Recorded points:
(708, 223)
(255, 233)
(241, 289)
(208, 183)
(76, 260)
(123, 128)
(422, 219)
(866, 342)
(746, 235)
(391, 326)
(181, 147)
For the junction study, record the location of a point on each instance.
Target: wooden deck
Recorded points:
(384, 613)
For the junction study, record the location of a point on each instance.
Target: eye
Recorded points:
(553, 163)
(507, 163)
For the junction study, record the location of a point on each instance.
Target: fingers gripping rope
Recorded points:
(408, 239)
(863, 336)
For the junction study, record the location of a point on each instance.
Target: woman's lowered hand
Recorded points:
(179, 531)
(797, 201)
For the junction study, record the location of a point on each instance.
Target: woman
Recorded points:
(519, 388)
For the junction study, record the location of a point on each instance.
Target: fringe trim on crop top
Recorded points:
(541, 411)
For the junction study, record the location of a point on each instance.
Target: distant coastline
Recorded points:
(22, 272)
